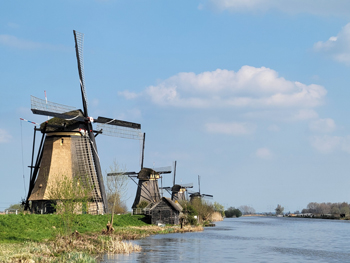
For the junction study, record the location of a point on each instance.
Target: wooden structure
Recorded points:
(198, 195)
(147, 185)
(165, 211)
(68, 148)
(178, 192)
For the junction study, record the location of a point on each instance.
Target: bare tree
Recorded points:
(246, 210)
(116, 190)
(279, 209)
(70, 197)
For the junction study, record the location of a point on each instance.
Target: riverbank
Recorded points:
(42, 238)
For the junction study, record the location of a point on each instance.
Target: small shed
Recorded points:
(164, 211)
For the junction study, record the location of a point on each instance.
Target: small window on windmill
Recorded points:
(62, 141)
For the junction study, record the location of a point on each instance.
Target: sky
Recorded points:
(250, 95)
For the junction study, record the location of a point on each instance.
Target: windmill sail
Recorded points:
(70, 146)
(79, 44)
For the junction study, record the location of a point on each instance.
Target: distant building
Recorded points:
(164, 211)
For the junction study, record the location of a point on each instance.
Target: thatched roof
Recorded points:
(176, 206)
(62, 123)
(145, 173)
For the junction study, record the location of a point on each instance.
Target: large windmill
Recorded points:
(178, 192)
(68, 147)
(147, 185)
(194, 195)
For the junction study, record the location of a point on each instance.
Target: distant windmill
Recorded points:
(147, 185)
(68, 147)
(198, 194)
(178, 192)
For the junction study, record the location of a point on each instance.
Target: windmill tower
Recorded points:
(147, 185)
(178, 192)
(198, 195)
(68, 147)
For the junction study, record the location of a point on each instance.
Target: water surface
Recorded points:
(250, 239)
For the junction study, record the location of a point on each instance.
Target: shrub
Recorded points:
(233, 212)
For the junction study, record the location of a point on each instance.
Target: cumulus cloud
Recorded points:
(4, 136)
(128, 95)
(249, 87)
(336, 47)
(322, 125)
(232, 128)
(274, 128)
(264, 153)
(14, 42)
(315, 7)
(304, 114)
(282, 114)
(327, 144)
(132, 114)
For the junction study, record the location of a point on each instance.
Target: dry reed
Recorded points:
(84, 245)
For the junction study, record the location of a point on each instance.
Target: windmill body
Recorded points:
(198, 195)
(178, 192)
(67, 153)
(68, 148)
(147, 185)
(147, 188)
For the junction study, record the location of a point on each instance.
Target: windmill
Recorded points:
(68, 147)
(195, 195)
(178, 192)
(147, 185)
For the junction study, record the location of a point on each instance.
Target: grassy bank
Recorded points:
(43, 238)
(31, 227)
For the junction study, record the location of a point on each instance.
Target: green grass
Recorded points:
(32, 227)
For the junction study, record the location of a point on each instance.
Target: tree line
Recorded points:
(327, 208)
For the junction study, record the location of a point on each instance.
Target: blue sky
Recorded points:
(251, 95)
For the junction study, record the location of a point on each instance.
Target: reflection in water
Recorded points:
(253, 239)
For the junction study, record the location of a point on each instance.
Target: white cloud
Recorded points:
(12, 25)
(337, 47)
(14, 42)
(315, 7)
(282, 115)
(326, 144)
(322, 125)
(274, 128)
(264, 153)
(132, 114)
(128, 95)
(4, 136)
(249, 87)
(304, 114)
(233, 128)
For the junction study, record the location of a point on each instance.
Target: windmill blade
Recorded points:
(193, 192)
(199, 184)
(165, 188)
(207, 196)
(163, 170)
(174, 173)
(143, 149)
(59, 115)
(121, 132)
(186, 185)
(39, 106)
(79, 41)
(118, 122)
(125, 173)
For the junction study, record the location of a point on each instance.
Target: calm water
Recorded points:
(250, 239)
